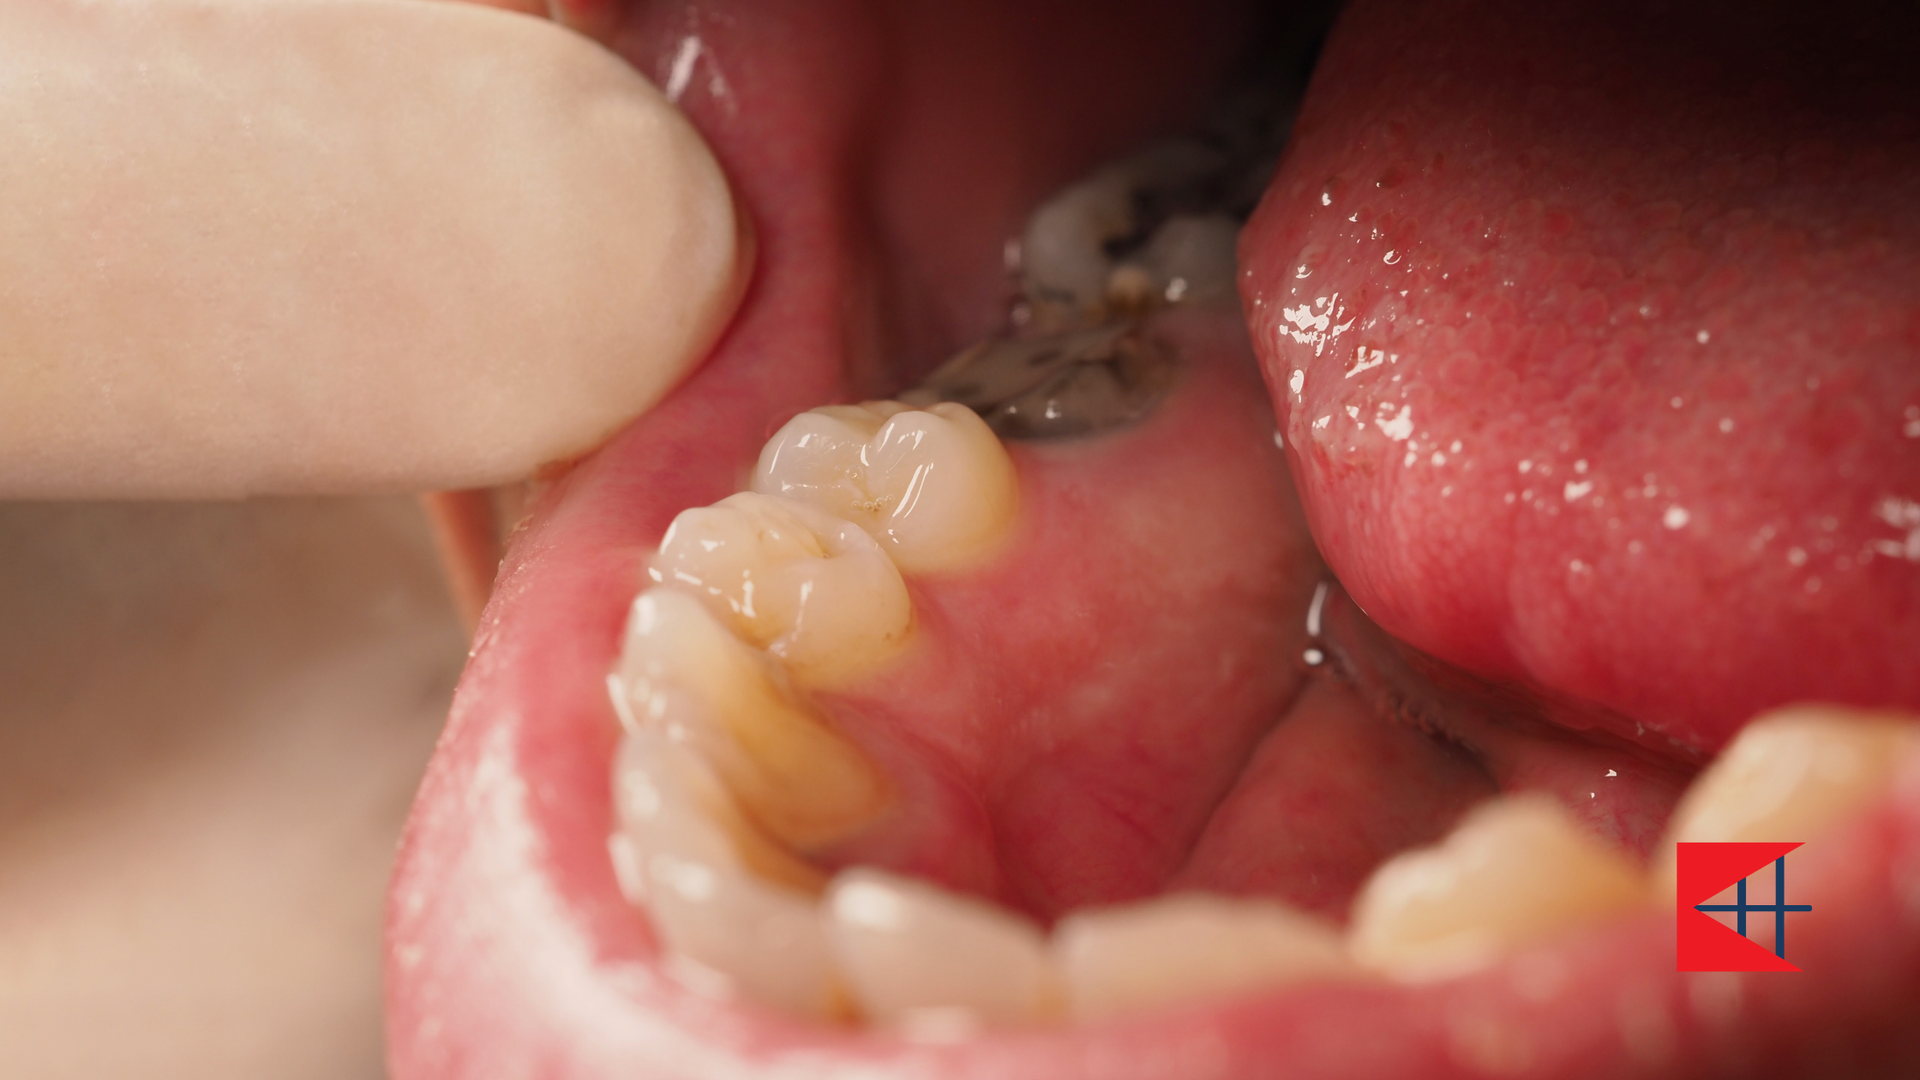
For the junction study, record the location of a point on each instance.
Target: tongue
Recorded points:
(1600, 353)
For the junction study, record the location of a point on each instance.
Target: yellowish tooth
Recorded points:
(681, 671)
(737, 913)
(813, 589)
(1791, 775)
(1515, 870)
(1187, 948)
(917, 957)
(933, 486)
(669, 800)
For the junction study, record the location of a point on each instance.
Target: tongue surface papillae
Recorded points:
(885, 156)
(1605, 330)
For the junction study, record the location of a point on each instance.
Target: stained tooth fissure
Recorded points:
(1068, 384)
(1153, 230)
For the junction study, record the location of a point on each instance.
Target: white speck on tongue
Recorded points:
(1400, 427)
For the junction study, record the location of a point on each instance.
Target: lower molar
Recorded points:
(934, 487)
(1187, 948)
(810, 588)
(682, 672)
(932, 963)
(1516, 871)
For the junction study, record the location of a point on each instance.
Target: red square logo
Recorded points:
(1704, 943)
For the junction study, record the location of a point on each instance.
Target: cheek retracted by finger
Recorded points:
(337, 245)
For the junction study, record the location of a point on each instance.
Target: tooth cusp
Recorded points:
(810, 588)
(1515, 871)
(932, 486)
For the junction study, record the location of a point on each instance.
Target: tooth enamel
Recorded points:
(1187, 948)
(1792, 774)
(911, 951)
(808, 587)
(1515, 870)
(718, 893)
(935, 488)
(670, 802)
(685, 674)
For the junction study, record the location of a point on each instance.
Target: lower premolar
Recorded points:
(683, 673)
(733, 908)
(931, 963)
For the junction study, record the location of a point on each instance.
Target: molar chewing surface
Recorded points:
(933, 487)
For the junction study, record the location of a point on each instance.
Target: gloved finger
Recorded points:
(333, 245)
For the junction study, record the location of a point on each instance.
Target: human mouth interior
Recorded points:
(842, 792)
(1105, 789)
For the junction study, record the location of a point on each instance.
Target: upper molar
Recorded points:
(682, 672)
(934, 487)
(1792, 774)
(1514, 871)
(810, 588)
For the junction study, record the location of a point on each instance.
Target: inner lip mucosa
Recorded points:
(1149, 685)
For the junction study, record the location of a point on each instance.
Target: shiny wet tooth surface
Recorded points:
(810, 588)
(933, 486)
